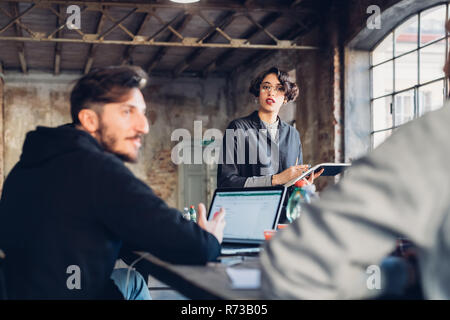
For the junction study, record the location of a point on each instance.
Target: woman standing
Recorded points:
(261, 149)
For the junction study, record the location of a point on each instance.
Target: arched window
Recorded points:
(406, 70)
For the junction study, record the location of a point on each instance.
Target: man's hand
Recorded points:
(214, 226)
(289, 174)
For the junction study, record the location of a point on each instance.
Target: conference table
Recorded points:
(211, 281)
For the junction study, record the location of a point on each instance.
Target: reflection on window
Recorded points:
(404, 107)
(431, 97)
(384, 51)
(382, 114)
(432, 25)
(432, 60)
(383, 82)
(407, 77)
(406, 71)
(406, 36)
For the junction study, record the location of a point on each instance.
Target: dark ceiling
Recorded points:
(163, 37)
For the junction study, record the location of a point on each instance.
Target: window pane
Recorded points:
(379, 137)
(381, 114)
(406, 36)
(431, 97)
(432, 60)
(406, 71)
(382, 79)
(404, 107)
(432, 24)
(384, 51)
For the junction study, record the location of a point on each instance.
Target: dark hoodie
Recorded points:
(68, 202)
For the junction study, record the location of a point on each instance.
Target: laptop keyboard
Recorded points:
(237, 250)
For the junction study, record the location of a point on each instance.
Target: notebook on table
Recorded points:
(249, 211)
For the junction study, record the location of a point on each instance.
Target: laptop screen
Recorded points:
(248, 212)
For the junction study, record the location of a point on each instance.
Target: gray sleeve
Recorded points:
(263, 181)
(326, 252)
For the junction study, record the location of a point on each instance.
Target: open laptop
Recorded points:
(249, 211)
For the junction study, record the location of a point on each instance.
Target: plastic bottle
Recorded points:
(186, 214)
(303, 193)
(310, 192)
(193, 214)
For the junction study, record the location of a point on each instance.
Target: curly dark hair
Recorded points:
(290, 88)
(105, 85)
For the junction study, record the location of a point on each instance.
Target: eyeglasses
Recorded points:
(277, 90)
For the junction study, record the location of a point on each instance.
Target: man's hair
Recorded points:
(105, 85)
(290, 88)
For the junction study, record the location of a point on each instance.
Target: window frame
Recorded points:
(393, 59)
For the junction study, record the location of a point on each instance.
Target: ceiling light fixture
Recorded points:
(185, 1)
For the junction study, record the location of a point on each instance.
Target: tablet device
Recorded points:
(330, 169)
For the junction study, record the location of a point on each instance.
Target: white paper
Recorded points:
(244, 278)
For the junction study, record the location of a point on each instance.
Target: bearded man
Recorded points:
(70, 206)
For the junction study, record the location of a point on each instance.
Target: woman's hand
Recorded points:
(315, 175)
(289, 174)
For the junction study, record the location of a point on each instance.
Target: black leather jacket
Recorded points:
(287, 152)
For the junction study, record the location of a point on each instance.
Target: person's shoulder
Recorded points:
(422, 141)
(106, 163)
(434, 123)
(242, 121)
(439, 118)
(290, 128)
(110, 174)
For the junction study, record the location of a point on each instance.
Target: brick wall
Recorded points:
(163, 176)
(44, 100)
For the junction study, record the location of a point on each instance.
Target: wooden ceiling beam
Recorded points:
(162, 51)
(186, 43)
(19, 45)
(200, 6)
(257, 57)
(168, 25)
(250, 34)
(199, 44)
(117, 23)
(62, 17)
(126, 57)
(269, 20)
(58, 45)
(212, 33)
(15, 7)
(261, 28)
(18, 22)
(93, 47)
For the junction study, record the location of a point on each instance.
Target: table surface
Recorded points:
(202, 282)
